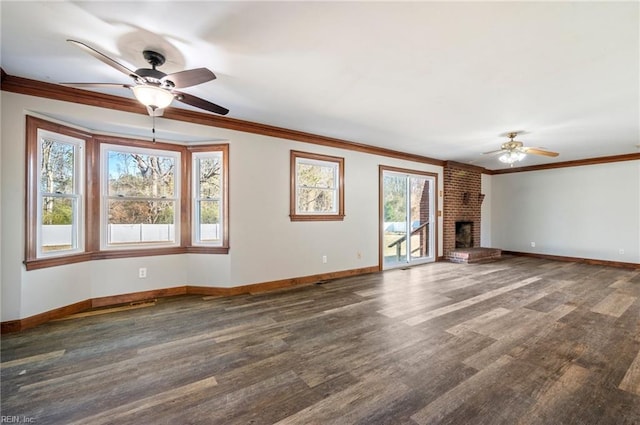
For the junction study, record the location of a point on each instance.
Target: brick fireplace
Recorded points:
(462, 204)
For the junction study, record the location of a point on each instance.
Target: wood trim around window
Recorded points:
(224, 148)
(31, 181)
(92, 198)
(293, 215)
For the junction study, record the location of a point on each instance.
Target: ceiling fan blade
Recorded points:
(190, 77)
(492, 152)
(104, 58)
(96, 85)
(538, 151)
(200, 103)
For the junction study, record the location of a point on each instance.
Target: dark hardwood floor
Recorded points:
(514, 341)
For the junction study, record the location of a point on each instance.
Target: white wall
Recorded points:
(486, 212)
(585, 212)
(264, 244)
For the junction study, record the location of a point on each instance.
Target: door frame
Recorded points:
(381, 170)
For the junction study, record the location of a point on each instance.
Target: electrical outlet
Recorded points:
(533, 244)
(142, 273)
(324, 259)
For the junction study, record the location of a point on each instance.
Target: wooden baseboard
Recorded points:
(591, 261)
(137, 296)
(38, 319)
(278, 284)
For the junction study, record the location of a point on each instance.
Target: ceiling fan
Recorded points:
(153, 88)
(514, 151)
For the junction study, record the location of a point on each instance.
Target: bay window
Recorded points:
(94, 197)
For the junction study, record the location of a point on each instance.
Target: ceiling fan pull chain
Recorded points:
(153, 130)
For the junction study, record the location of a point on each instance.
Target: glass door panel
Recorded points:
(408, 218)
(420, 211)
(394, 231)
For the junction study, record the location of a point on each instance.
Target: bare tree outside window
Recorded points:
(142, 194)
(94, 197)
(317, 183)
(58, 197)
(208, 198)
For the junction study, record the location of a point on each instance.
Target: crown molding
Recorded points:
(575, 163)
(469, 167)
(30, 87)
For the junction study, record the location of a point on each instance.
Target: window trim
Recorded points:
(32, 193)
(78, 193)
(339, 163)
(105, 148)
(92, 194)
(224, 150)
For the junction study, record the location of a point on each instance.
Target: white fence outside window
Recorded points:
(56, 235)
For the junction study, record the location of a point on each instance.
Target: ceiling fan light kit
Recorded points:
(152, 96)
(511, 157)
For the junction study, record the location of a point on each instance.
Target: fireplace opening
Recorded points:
(464, 234)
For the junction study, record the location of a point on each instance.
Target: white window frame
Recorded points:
(196, 199)
(77, 195)
(105, 148)
(337, 165)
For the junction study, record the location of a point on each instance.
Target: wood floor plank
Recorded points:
(477, 323)
(552, 398)
(415, 320)
(414, 305)
(118, 413)
(437, 410)
(349, 405)
(614, 305)
(631, 380)
(32, 359)
(519, 340)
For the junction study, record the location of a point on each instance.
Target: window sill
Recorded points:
(318, 217)
(41, 263)
(207, 249)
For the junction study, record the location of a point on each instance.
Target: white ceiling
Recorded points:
(439, 79)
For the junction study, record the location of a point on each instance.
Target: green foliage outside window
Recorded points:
(56, 178)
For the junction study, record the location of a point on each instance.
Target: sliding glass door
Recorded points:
(408, 218)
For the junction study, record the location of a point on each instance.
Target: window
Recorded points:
(93, 197)
(140, 197)
(209, 182)
(60, 190)
(317, 187)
